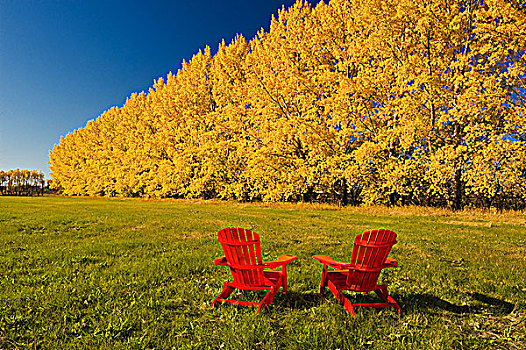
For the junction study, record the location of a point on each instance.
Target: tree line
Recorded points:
(388, 102)
(22, 183)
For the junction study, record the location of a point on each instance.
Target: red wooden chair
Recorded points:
(242, 250)
(369, 257)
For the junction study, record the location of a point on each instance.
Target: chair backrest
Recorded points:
(243, 252)
(369, 254)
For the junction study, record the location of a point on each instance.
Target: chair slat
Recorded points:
(242, 254)
(234, 254)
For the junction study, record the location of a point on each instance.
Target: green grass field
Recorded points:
(99, 273)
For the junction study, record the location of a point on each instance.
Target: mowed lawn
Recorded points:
(100, 273)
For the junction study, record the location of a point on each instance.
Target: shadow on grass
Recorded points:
(296, 300)
(478, 304)
(481, 304)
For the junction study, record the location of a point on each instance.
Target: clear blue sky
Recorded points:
(64, 62)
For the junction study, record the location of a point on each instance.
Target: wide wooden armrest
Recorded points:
(327, 260)
(282, 260)
(220, 261)
(390, 262)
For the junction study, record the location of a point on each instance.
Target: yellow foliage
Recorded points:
(387, 102)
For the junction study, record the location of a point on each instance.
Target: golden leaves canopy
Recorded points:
(390, 102)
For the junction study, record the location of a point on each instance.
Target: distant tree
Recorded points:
(21, 182)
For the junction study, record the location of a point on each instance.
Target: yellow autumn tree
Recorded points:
(378, 101)
(227, 137)
(454, 74)
(296, 138)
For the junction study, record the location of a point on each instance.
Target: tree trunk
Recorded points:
(343, 195)
(457, 201)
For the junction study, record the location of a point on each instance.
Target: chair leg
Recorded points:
(346, 303)
(384, 295)
(382, 292)
(225, 293)
(267, 299)
(272, 292)
(323, 283)
(341, 298)
(395, 304)
(284, 278)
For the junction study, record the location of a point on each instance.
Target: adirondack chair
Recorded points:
(243, 256)
(368, 258)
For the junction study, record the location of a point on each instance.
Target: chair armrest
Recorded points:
(282, 260)
(390, 262)
(327, 260)
(220, 261)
